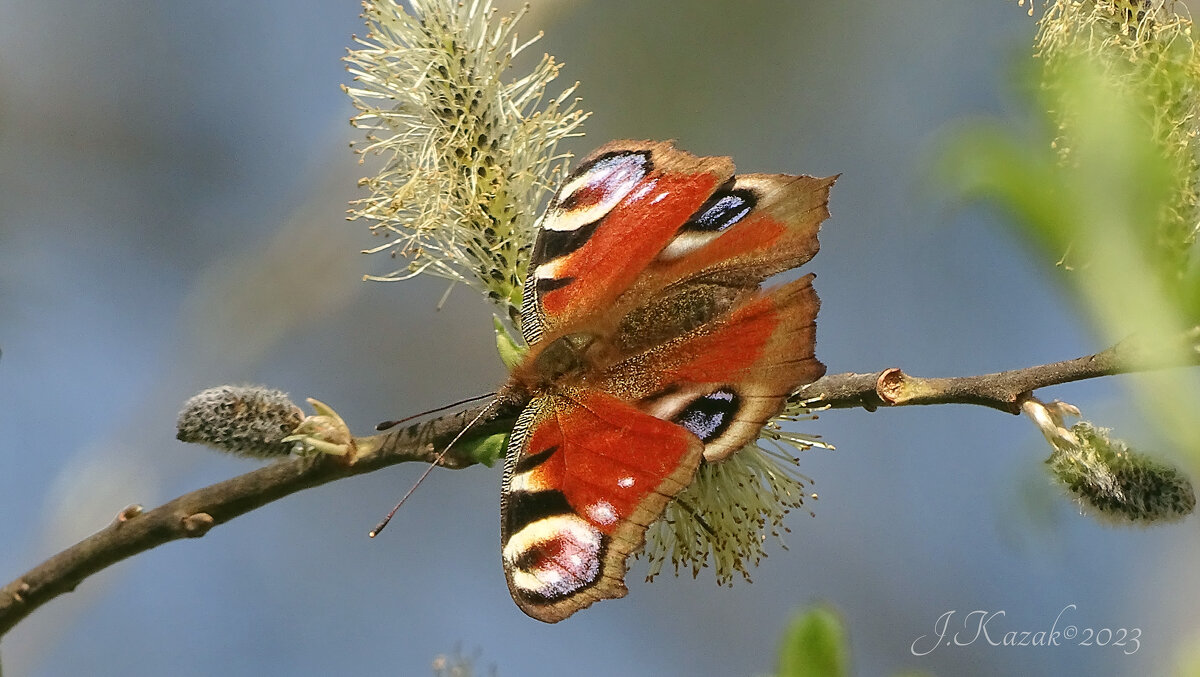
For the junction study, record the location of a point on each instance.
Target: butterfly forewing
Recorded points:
(606, 224)
(755, 226)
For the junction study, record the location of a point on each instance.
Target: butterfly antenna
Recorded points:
(392, 424)
(437, 461)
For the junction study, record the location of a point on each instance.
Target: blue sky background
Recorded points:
(173, 181)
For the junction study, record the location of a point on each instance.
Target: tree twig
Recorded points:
(1003, 390)
(193, 514)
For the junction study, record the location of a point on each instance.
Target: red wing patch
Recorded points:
(586, 475)
(610, 219)
(724, 381)
(631, 235)
(751, 228)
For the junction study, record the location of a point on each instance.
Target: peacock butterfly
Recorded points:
(653, 348)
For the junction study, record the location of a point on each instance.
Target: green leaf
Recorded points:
(488, 450)
(511, 352)
(814, 645)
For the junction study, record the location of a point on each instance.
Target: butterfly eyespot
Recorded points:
(554, 557)
(722, 211)
(708, 416)
(597, 187)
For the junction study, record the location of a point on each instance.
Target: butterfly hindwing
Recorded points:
(725, 380)
(586, 474)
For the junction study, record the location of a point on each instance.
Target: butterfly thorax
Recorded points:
(556, 363)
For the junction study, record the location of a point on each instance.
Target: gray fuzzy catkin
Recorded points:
(241, 420)
(1119, 485)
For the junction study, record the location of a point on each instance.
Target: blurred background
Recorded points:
(173, 183)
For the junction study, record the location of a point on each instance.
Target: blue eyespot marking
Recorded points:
(708, 416)
(722, 210)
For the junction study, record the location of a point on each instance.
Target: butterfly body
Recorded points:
(652, 348)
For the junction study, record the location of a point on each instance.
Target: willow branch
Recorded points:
(194, 514)
(1004, 390)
